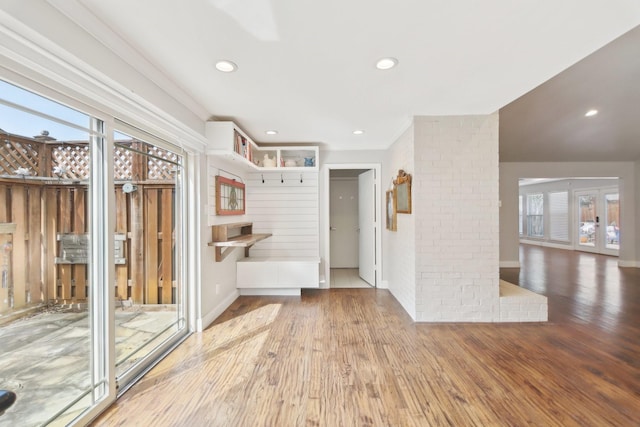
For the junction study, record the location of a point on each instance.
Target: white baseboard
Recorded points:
(547, 244)
(384, 284)
(625, 263)
(281, 291)
(205, 321)
(509, 264)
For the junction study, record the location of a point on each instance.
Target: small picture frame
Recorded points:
(402, 188)
(391, 211)
(229, 196)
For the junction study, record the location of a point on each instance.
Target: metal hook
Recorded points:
(262, 178)
(300, 178)
(281, 179)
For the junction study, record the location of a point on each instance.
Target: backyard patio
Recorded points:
(45, 358)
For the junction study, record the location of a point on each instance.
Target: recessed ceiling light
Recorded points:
(591, 113)
(358, 132)
(386, 63)
(226, 66)
(271, 132)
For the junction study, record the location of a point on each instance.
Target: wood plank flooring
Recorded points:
(352, 357)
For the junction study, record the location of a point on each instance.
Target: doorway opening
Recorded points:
(352, 235)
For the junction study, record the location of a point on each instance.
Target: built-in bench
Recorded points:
(263, 276)
(277, 276)
(521, 305)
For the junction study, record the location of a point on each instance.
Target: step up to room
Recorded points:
(521, 305)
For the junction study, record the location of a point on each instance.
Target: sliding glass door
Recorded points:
(92, 226)
(149, 210)
(51, 293)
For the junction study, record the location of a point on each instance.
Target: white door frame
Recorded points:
(324, 206)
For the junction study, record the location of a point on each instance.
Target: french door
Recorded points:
(598, 221)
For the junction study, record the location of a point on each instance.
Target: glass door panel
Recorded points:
(150, 309)
(612, 220)
(47, 282)
(587, 220)
(598, 219)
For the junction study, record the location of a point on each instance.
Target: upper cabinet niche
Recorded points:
(227, 140)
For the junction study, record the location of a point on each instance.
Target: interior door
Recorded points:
(598, 221)
(343, 217)
(367, 226)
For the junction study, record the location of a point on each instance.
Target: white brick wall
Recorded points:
(455, 193)
(400, 258)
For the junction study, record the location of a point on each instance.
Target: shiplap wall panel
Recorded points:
(286, 208)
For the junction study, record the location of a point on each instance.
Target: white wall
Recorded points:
(288, 210)
(456, 210)
(399, 248)
(217, 289)
(510, 172)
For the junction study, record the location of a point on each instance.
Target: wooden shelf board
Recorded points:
(241, 241)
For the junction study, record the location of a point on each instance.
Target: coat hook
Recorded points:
(262, 178)
(281, 179)
(300, 178)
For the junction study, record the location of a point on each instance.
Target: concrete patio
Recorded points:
(45, 358)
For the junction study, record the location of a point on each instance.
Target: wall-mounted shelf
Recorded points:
(234, 235)
(229, 141)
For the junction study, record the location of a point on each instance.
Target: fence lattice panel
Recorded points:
(122, 164)
(71, 161)
(158, 169)
(16, 154)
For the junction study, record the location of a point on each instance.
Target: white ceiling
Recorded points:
(306, 67)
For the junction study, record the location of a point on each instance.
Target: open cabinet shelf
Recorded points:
(229, 141)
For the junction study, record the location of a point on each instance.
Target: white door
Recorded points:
(343, 217)
(598, 221)
(367, 225)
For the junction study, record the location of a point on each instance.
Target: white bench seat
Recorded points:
(277, 276)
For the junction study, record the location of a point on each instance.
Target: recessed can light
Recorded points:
(226, 66)
(591, 113)
(271, 132)
(386, 63)
(358, 132)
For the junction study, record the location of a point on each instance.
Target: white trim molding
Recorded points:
(625, 263)
(509, 264)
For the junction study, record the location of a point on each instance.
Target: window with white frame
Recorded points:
(520, 224)
(535, 215)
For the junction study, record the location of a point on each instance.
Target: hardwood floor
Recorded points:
(353, 357)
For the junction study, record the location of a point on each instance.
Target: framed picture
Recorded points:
(391, 211)
(229, 196)
(402, 187)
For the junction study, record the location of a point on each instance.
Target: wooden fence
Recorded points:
(35, 211)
